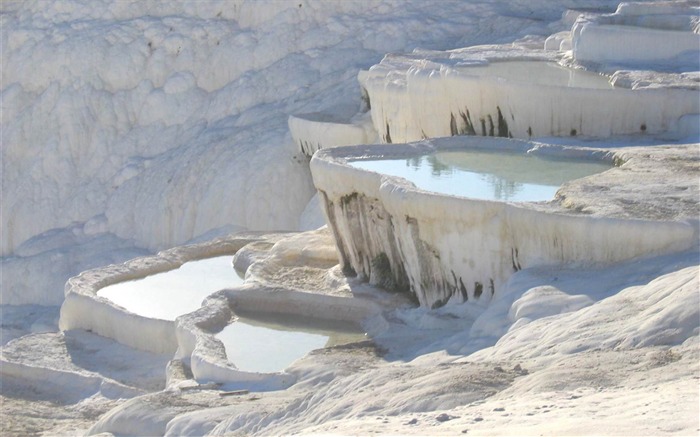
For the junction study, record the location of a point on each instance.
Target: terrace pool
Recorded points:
(539, 73)
(477, 174)
(173, 293)
(268, 343)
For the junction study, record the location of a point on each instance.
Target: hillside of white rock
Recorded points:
(158, 131)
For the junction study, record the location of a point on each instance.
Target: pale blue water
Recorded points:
(540, 73)
(170, 294)
(270, 343)
(511, 177)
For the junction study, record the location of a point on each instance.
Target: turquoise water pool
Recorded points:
(173, 293)
(477, 174)
(268, 343)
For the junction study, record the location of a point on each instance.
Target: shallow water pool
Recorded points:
(540, 73)
(170, 294)
(268, 343)
(511, 177)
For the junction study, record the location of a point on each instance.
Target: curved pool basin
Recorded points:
(444, 248)
(481, 174)
(170, 294)
(269, 343)
(515, 98)
(136, 302)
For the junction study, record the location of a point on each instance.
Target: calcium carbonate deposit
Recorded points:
(141, 137)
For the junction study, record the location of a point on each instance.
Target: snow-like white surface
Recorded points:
(451, 249)
(518, 91)
(558, 374)
(108, 109)
(662, 312)
(84, 309)
(312, 217)
(315, 131)
(115, 108)
(446, 94)
(625, 45)
(131, 126)
(53, 257)
(161, 122)
(638, 35)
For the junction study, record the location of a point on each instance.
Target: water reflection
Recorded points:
(487, 175)
(269, 343)
(538, 72)
(170, 294)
